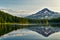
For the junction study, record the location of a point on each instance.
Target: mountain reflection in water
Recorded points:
(33, 33)
(45, 31)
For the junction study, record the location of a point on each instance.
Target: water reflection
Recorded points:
(45, 31)
(22, 34)
(31, 33)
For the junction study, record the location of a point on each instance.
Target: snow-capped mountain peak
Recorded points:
(44, 13)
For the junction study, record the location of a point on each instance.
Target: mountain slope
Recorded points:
(44, 13)
(7, 18)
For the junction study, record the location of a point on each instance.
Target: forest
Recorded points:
(7, 18)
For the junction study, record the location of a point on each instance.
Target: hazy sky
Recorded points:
(30, 4)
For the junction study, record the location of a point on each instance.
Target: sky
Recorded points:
(30, 4)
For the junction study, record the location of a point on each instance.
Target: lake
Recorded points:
(33, 33)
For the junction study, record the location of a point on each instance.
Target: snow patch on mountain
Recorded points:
(44, 13)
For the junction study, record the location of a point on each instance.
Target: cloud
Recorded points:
(19, 13)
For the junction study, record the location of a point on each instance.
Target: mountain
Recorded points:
(8, 18)
(44, 13)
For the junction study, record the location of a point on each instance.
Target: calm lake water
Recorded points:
(33, 33)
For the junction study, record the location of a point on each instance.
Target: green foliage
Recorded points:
(54, 20)
(7, 18)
